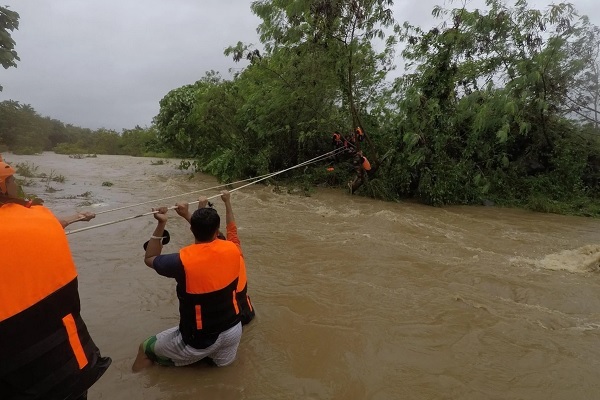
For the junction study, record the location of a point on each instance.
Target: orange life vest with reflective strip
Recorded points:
(45, 348)
(208, 303)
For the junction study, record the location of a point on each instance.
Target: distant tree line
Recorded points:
(24, 131)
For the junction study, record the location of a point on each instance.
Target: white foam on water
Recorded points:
(581, 260)
(387, 215)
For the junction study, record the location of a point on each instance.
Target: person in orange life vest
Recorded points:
(362, 167)
(207, 274)
(336, 140)
(247, 312)
(47, 352)
(336, 143)
(359, 134)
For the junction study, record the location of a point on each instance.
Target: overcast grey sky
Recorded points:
(108, 63)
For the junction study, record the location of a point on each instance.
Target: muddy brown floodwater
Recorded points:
(355, 298)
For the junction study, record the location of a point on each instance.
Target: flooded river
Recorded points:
(355, 298)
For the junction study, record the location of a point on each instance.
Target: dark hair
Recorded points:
(204, 223)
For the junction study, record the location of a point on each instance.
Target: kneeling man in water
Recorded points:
(207, 274)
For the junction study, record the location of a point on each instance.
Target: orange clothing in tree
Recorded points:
(366, 164)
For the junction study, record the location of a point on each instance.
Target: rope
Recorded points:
(179, 195)
(258, 179)
(276, 173)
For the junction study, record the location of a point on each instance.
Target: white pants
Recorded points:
(170, 345)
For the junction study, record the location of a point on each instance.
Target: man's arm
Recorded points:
(229, 217)
(155, 244)
(230, 226)
(182, 209)
(82, 216)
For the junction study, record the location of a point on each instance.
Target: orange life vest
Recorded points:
(366, 164)
(45, 348)
(208, 303)
(360, 135)
(246, 308)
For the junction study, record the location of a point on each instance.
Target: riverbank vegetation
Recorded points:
(496, 105)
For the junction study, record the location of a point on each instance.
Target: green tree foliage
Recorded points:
(339, 38)
(583, 93)
(340, 34)
(319, 72)
(20, 128)
(9, 21)
(183, 114)
(141, 141)
(485, 112)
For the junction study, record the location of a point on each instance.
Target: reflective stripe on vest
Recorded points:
(75, 341)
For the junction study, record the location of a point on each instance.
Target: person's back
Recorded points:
(336, 140)
(46, 350)
(362, 167)
(246, 308)
(207, 301)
